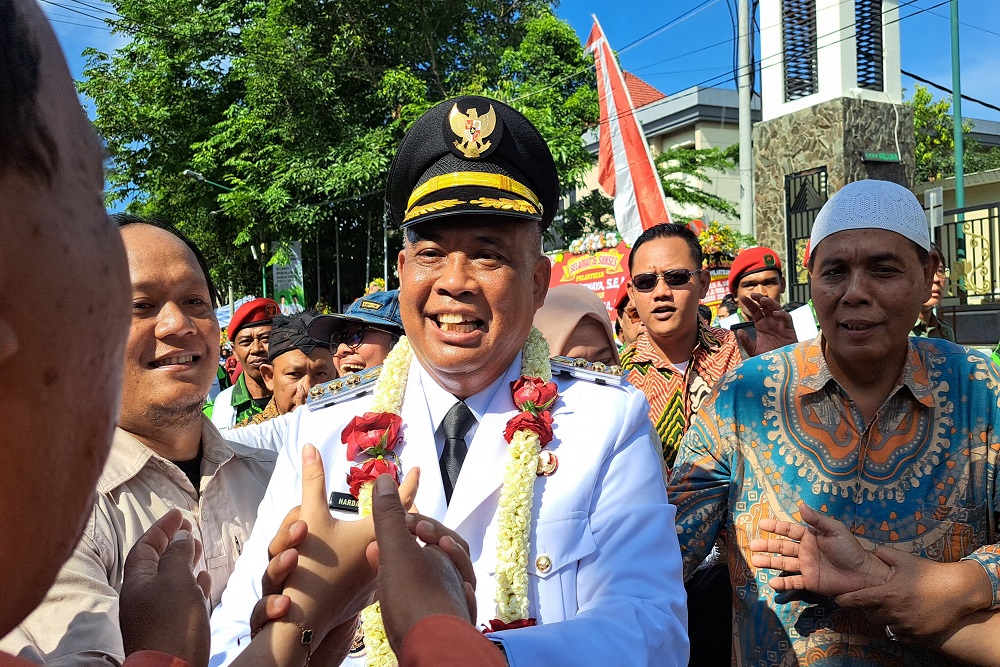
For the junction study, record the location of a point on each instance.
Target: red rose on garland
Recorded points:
(372, 430)
(540, 423)
(496, 625)
(533, 394)
(368, 472)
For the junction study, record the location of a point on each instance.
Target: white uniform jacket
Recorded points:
(610, 592)
(223, 414)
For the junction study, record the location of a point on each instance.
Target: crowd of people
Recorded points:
(417, 482)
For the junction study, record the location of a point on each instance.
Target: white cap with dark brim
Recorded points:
(872, 204)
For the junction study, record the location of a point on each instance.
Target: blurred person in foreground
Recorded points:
(590, 574)
(575, 322)
(166, 455)
(929, 325)
(249, 332)
(58, 416)
(897, 435)
(295, 363)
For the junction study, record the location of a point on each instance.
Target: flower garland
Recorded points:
(594, 242)
(376, 434)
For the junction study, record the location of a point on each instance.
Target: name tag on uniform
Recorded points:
(344, 502)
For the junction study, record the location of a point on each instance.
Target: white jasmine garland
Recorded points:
(516, 496)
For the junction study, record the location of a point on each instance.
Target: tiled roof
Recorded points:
(642, 93)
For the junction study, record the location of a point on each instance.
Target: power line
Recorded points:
(718, 79)
(670, 24)
(948, 90)
(75, 11)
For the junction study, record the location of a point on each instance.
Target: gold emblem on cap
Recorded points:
(472, 130)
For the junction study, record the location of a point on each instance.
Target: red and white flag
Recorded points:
(625, 166)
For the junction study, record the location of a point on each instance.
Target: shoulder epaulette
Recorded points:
(595, 371)
(343, 388)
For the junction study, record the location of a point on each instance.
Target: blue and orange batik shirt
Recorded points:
(921, 477)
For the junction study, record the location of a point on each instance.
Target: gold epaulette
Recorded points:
(343, 388)
(593, 371)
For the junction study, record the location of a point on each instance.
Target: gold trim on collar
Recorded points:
(472, 178)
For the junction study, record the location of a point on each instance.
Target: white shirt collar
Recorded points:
(440, 401)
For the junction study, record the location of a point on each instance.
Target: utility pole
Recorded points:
(956, 94)
(746, 142)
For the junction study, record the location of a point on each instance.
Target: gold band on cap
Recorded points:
(472, 178)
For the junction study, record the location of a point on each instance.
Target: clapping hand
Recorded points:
(163, 606)
(774, 325)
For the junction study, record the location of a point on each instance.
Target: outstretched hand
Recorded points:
(774, 326)
(822, 557)
(163, 606)
(414, 581)
(332, 580)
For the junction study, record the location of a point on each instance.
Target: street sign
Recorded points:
(879, 156)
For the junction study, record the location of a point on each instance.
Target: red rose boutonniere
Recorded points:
(374, 432)
(533, 394)
(368, 472)
(540, 423)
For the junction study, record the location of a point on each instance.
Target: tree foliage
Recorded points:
(682, 172)
(935, 140)
(298, 107)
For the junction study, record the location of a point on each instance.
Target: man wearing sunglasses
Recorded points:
(676, 361)
(678, 358)
(361, 337)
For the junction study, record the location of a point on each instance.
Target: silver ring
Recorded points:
(891, 635)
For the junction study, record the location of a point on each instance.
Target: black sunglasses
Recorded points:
(352, 336)
(646, 282)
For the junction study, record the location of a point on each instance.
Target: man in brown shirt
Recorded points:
(165, 455)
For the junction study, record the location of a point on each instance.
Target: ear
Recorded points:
(400, 260)
(784, 283)
(540, 280)
(930, 268)
(705, 279)
(267, 372)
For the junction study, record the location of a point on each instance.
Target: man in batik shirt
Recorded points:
(895, 437)
(677, 359)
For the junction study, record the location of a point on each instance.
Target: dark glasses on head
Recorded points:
(646, 282)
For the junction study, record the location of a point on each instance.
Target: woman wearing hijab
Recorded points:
(575, 322)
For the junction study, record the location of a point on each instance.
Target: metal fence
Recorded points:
(969, 239)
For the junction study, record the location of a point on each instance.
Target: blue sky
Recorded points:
(665, 59)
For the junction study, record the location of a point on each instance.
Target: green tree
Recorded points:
(299, 108)
(935, 140)
(679, 169)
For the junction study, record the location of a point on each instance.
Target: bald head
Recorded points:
(63, 310)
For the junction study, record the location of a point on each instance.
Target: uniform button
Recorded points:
(543, 564)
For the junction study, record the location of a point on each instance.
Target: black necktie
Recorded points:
(456, 424)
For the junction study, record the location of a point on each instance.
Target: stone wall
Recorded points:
(831, 134)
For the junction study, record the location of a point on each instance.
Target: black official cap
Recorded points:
(472, 155)
(291, 333)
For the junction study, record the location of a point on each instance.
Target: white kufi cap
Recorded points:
(872, 204)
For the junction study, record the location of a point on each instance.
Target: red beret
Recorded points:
(622, 295)
(256, 312)
(750, 261)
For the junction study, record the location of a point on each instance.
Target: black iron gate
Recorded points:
(805, 194)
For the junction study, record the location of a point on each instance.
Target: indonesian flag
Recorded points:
(625, 166)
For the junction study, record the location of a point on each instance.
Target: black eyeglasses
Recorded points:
(646, 282)
(352, 336)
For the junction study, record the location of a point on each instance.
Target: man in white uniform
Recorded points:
(604, 579)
